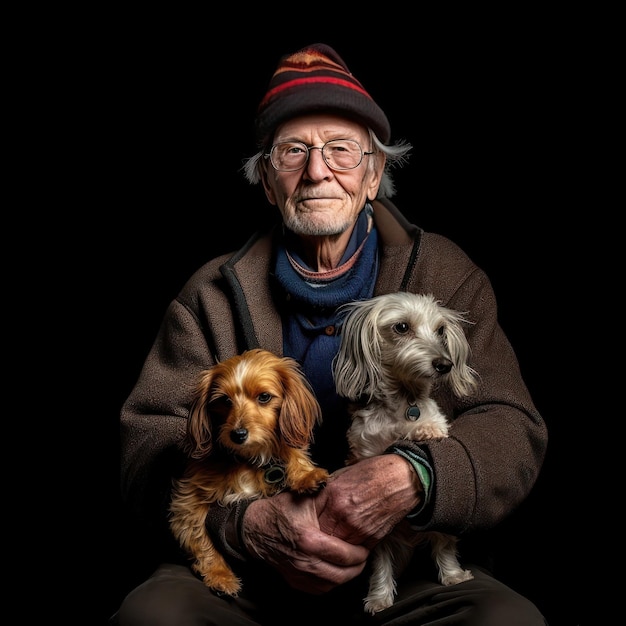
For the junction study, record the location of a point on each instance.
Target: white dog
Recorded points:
(394, 349)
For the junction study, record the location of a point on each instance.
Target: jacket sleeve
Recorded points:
(497, 441)
(154, 418)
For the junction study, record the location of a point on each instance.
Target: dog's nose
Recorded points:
(442, 365)
(239, 435)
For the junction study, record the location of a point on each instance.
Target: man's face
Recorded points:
(317, 200)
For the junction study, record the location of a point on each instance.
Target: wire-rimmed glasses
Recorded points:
(338, 154)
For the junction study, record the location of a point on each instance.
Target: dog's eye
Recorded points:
(441, 330)
(217, 400)
(264, 397)
(401, 328)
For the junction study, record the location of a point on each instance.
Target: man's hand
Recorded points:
(284, 531)
(363, 502)
(319, 542)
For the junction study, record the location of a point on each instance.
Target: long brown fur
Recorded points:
(251, 413)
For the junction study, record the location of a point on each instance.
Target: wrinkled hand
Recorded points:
(284, 531)
(363, 502)
(322, 541)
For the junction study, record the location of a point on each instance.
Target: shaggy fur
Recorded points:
(248, 434)
(394, 349)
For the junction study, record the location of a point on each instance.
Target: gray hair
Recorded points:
(397, 155)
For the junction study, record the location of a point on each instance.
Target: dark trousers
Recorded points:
(174, 596)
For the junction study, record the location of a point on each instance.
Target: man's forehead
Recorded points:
(322, 125)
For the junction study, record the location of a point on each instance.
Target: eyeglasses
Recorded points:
(338, 154)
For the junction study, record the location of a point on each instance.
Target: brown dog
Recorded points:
(248, 434)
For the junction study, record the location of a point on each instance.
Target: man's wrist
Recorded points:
(420, 463)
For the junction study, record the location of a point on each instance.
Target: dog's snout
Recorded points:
(239, 435)
(442, 365)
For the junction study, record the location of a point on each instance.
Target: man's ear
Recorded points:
(375, 176)
(269, 192)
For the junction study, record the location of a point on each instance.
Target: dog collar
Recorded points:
(274, 475)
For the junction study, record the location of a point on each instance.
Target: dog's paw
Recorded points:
(223, 582)
(311, 482)
(375, 604)
(428, 431)
(226, 587)
(379, 596)
(459, 577)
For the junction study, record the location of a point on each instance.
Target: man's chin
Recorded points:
(308, 226)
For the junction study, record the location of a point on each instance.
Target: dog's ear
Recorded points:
(300, 410)
(198, 439)
(463, 379)
(356, 367)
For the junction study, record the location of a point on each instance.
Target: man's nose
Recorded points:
(316, 161)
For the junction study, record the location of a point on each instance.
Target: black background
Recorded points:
(489, 112)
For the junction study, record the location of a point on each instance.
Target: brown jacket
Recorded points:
(483, 471)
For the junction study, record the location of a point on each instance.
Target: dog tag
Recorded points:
(274, 474)
(413, 413)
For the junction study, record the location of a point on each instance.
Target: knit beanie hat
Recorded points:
(315, 79)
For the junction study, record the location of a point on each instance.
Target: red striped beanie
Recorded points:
(315, 80)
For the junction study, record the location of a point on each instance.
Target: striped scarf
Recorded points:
(311, 324)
